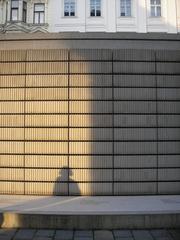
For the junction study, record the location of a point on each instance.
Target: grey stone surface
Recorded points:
(103, 235)
(159, 233)
(122, 233)
(25, 234)
(142, 235)
(175, 234)
(64, 235)
(83, 234)
(42, 238)
(45, 233)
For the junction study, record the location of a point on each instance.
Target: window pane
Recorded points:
(24, 5)
(92, 12)
(153, 12)
(98, 13)
(41, 17)
(158, 2)
(15, 4)
(14, 14)
(36, 18)
(39, 7)
(158, 11)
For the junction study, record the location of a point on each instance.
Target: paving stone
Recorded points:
(175, 234)
(164, 238)
(63, 235)
(159, 233)
(83, 238)
(45, 233)
(103, 235)
(7, 232)
(142, 235)
(83, 234)
(43, 238)
(122, 233)
(25, 234)
(125, 238)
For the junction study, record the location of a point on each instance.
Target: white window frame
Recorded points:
(75, 10)
(120, 12)
(35, 4)
(16, 9)
(95, 7)
(156, 6)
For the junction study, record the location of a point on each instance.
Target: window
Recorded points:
(125, 8)
(14, 10)
(95, 8)
(155, 8)
(69, 8)
(24, 16)
(39, 13)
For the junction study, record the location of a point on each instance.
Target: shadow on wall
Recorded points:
(65, 176)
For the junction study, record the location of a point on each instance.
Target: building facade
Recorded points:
(90, 16)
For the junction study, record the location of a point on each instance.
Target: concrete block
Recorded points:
(12, 174)
(13, 68)
(63, 235)
(47, 55)
(46, 120)
(168, 107)
(12, 120)
(135, 175)
(12, 81)
(50, 188)
(141, 188)
(135, 107)
(90, 54)
(46, 134)
(172, 174)
(90, 175)
(91, 93)
(169, 161)
(93, 134)
(90, 67)
(25, 234)
(168, 187)
(168, 94)
(167, 55)
(133, 55)
(142, 235)
(134, 94)
(47, 94)
(47, 80)
(134, 67)
(103, 235)
(169, 147)
(58, 175)
(90, 189)
(46, 147)
(90, 147)
(90, 120)
(135, 147)
(135, 134)
(90, 80)
(47, 107)
(134, 120)
(168, 68)
(90, 161)
(169, 120)
(46, 67)
(13, 55)
(168, 81)
(45, 161)
(11, 161)
(136, 161)
(11, 134)
(169, 134)
(134, 80)
(11, 147)
(11, 107)
(12, 94)
(159, 233)
(12, 187)
(91, 107)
